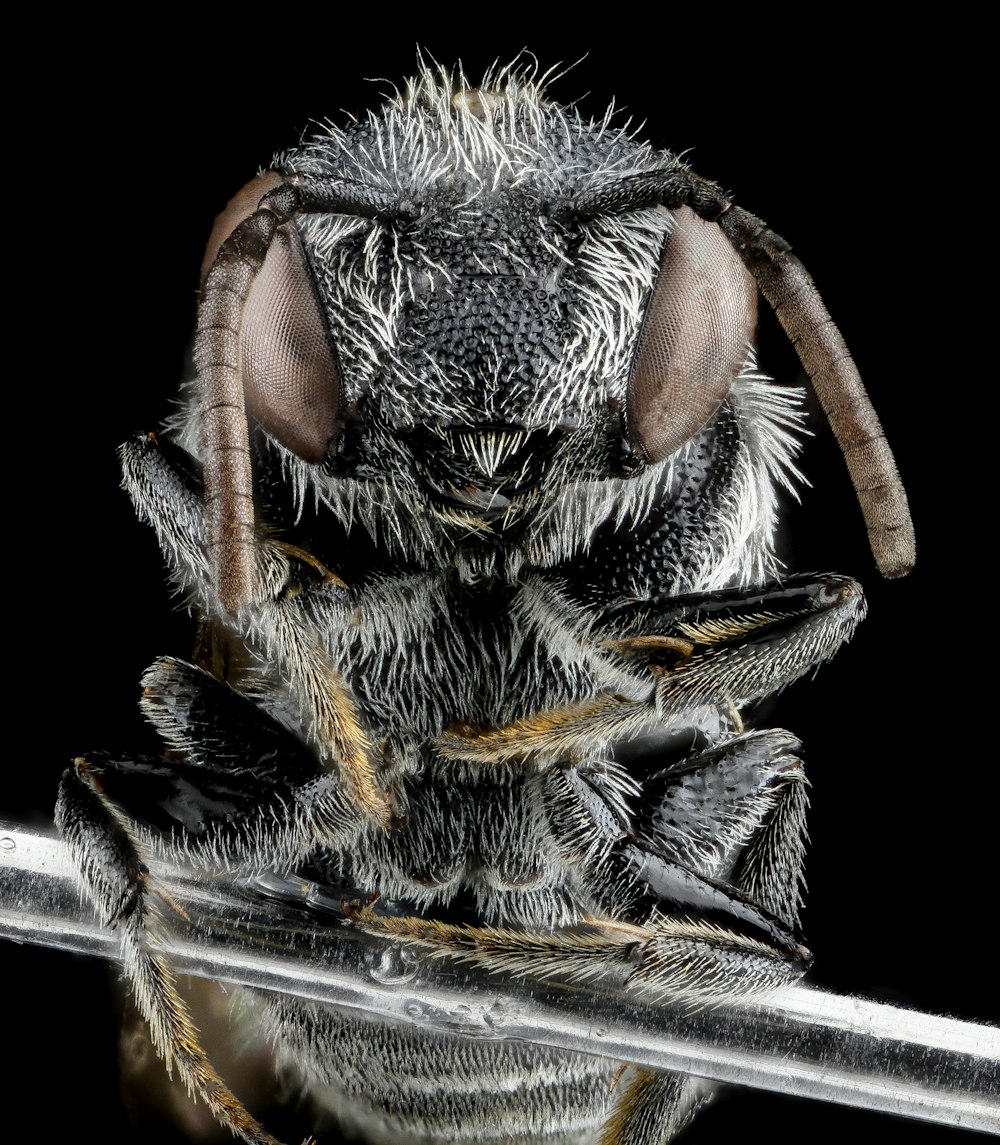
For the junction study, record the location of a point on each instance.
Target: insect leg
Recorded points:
(114, 875)
(708, 652)
(226, 755)
(737, 812)
(666, 921)
(280, 628)
(654, 1107)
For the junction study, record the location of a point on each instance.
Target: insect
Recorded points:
(476, 492)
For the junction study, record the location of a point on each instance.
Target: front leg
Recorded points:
(698, 660)
(279, 628)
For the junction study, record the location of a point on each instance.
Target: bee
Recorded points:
(476, 493)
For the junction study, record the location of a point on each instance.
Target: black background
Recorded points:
(846, 146)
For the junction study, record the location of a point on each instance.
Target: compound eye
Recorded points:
(291, 384)
(695, 338)
(290, 379)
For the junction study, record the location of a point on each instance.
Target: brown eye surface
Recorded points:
(695, 337)
(290, 378)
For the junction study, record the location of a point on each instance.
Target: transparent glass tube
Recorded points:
(799, 1041)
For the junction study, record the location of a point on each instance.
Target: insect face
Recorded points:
(475, 496)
